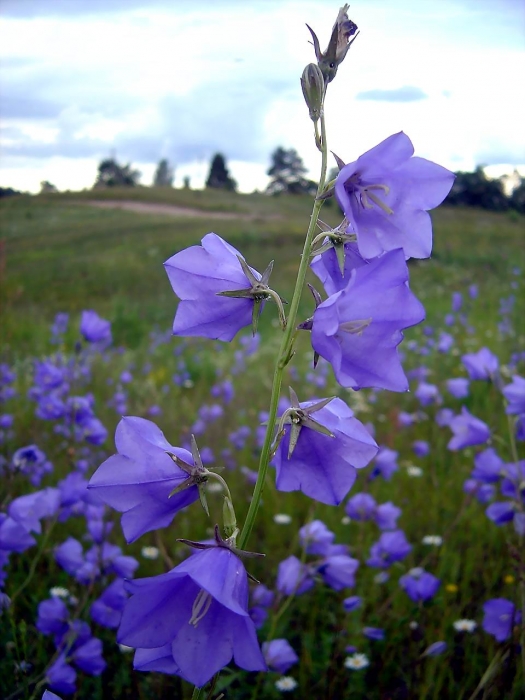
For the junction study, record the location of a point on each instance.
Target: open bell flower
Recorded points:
(321, 450)
(138, 480)
(359, 328)
(219, 293)
(192, 620)
(385, 195)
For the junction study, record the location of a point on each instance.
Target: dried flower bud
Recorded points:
(312, 83)
(339, 44)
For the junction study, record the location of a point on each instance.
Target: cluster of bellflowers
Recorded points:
(194, 619)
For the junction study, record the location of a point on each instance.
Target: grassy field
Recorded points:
(59, 254)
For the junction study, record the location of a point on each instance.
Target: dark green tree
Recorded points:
(111, 174)
(287, 173)
(477, 190)
(219, 176)
(517, 198)
(163, 174)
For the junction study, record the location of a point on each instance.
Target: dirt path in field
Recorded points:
(172, 210)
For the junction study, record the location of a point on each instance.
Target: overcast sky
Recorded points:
(81, 80)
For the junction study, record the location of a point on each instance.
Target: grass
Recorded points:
(59, 254)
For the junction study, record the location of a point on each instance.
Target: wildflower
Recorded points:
(464, 625)
(356, 662)
(150, 552)
(316, 538)
(219, 293)
(374, 633)
(458, 387)
(338, 571)
(435, 649)
(322, 462)
(138, 480)
(481, 365)
(509, 578)
(385, 195)
(193, 619)
(391, 547)
(468, 431)
(498, 618)
(352, 603)
(515, 395)
(94, 328)
(434, 540)
(419, 585)
(279, 655)
(59, 592)
(359, 328)
(293, 577)
(286, 684)
(282, 519)
(414, 471)
(451, 588)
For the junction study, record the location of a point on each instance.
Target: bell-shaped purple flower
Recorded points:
(515, 395)
(193, 619)
(321, 465)
(481, 365)
(488, 466)
(419, 585)
(94, 328)
(386, 194)
(199, 275)
(139, 479)
(361, 507)
(458, 387)
(316, 538)
(293, 577)
(468, 431)
(61, 676)
(499, 615)
(338, 571)
(279, 655)
(359, 328)
(386, 516)
(391, 547)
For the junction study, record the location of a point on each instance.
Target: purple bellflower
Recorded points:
(498, 618)
(515, 395)
(322, 447)
(359, 328)
(468, 431)
(139, 479)
(94, 328)
(293, 577)
(385, 195)
(458, 387)
(419, 585)
(391, 547)
(481, 365)
(192, 620)
(279, 655)
(219, 293)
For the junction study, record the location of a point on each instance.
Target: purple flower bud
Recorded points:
(352, 603)
(421, 448)
(374, 633)
(435, 649)
(457, 301)
(385, 195)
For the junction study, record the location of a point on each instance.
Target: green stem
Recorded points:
(34, 564)
(285, 350)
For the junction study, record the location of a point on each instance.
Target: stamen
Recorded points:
(355, 327)
(379, 203)
(200, 607)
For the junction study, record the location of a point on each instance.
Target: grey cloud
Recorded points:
(407, 93)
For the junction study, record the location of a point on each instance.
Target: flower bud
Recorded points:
(312, 83)
(228, 517)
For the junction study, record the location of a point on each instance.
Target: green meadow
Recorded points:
(59, 253)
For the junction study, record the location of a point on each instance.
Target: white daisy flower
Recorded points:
(59, 592)
(282, 519)
(464, 625)
(414, 471)
(286, 684)
(356, 662)
(150, 552)
(434, 540)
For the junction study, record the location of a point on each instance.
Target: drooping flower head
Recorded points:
(385, 195)
(191, 621)
(359, 328)
(321, 450)
(499, 615)
(219, 293)
(138, 480)
(468, 431)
